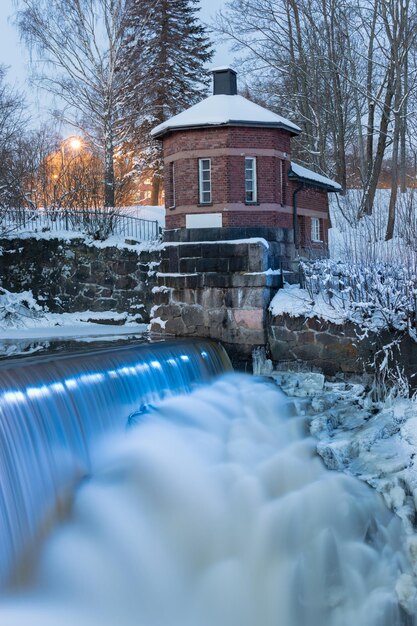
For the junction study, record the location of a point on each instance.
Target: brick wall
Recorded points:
(275, 191)
(251, 217)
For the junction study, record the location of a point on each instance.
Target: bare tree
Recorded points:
(345, 70)
(77, 45)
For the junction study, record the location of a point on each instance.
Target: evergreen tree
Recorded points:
(166, 49)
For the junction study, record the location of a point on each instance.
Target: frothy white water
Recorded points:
(216, 511)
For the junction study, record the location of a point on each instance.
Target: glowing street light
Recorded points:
(75, 143)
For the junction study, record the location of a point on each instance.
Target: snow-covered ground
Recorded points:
(294, 301)
(25, 327)
(363, 241)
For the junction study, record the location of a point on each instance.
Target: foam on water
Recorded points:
(55, 408)
(215, 510)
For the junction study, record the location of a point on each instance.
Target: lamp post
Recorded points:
(75, 144)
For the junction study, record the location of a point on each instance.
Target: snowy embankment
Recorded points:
(376, 443)
(297, 302)
(23, 322)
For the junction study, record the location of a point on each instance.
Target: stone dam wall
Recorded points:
(75, 275)
(215, 289)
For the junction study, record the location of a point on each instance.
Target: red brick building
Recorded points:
(228, 164)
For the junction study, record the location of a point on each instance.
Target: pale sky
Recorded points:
(14, 54)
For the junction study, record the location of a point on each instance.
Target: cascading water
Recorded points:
(53, 408)
(215, 509)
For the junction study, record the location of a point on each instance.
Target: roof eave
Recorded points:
(293, 131)
(314, 183)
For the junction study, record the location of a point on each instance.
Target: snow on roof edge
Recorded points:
(302, 172)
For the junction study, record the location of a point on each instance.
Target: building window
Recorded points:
(250, 180)
(315, 229)
(171, 200)
(204, 180)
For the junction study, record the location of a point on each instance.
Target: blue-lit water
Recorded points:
(215, 510)
(53, 409)
(204, 503)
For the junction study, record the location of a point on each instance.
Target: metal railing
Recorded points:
(98, 223)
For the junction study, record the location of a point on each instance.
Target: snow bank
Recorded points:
(26, 327)
(296, 302)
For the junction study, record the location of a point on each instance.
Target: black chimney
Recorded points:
(224, 81)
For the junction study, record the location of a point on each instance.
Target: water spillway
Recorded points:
(212, 507)
(54, 408)
(215, 509)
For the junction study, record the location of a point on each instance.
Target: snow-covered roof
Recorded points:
(301, 173)
(221, 68)
(225, 110)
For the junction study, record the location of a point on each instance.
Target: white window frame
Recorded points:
(203, 198)
(253, 180)
(316, 230)
(172, 182)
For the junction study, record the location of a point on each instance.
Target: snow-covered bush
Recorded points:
(376, 297)
(17, 308)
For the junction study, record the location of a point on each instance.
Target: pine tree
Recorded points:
(166, 49)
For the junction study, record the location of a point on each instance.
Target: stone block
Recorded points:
(172, 282)
(176, 326)
(187, 266)
(165, 267)
(318, 324)
(122, 268)
(189, 250)
(211, 298)
(306, 336)
(186, 296)
(295, 323)
(193, 316)
(104, 304)
(211, 265)
(215, 279)
(239, 264)
(173, 260)
(195, 282)
(83, 273)
(248, 280)
(257, 258)
(282, 334)
(229, 250)
(252, 319)
(125, 282)
(281, 351)
(169, 311)
(210, 250)
(92, 292)
(311, 352)
(215, 317)
(161, 297)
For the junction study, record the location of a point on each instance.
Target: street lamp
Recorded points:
(75, 143)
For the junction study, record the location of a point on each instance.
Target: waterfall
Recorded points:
(214, 508)
(54, 408)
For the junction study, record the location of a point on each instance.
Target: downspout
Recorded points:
(294, 216)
